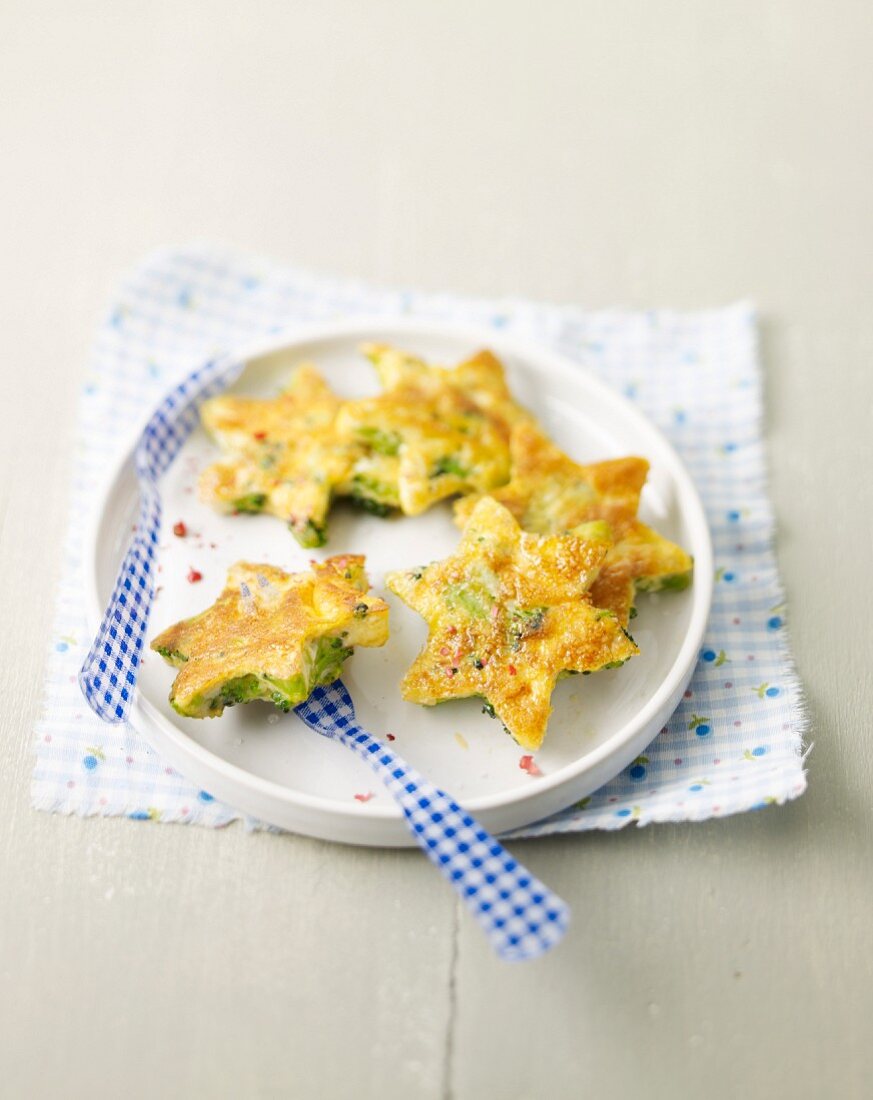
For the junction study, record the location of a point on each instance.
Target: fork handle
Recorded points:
(521, 917)
(109, 673)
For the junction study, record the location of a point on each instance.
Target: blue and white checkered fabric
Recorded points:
(735, 741)
(108, 675)
(521, 917)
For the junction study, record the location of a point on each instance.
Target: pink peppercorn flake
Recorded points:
(194, 575)
(180, 530)
(390, 737)
(528, 764)
(511, 669)
(364, 797)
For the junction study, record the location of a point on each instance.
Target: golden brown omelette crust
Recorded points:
(285, 455)
(550, 493)
(261, 625)
(433, 432)
(507, 614)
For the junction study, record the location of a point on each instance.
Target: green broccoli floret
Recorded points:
(241, 690)
(284, 693)
(448, 464)
(309, 533)
(373, 496)
(171, 655)
(374, 507)
(473, 599)
(327, 660)
(251, 502)
(674, 582)
(384, 443)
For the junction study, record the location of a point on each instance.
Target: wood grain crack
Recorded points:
(449, 1050)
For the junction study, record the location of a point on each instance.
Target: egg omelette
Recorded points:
(509, 613)
(272, 635)
(549, 493)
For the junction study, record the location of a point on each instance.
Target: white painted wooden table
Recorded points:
(645, 154)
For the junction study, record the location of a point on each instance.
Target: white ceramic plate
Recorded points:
(272, 766)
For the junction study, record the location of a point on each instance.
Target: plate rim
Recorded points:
(147, 720)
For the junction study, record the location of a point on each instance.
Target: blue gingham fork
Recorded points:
(520, 916)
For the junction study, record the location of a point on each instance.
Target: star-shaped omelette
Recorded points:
(272, 635)
(550, 493)
(431, 433)
(285, 455)
(508, 613)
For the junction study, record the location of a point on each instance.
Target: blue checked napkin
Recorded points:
(735, 742)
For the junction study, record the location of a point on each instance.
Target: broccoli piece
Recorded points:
(172, 655)
(327, 660)
(475, 600)
(309, 534)
(285, 693)
(524, 623)
(384, 443)
(367, 504)
(251, 502)
(241, 690)
(374, 496)
(674, 582)
(448, 464)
